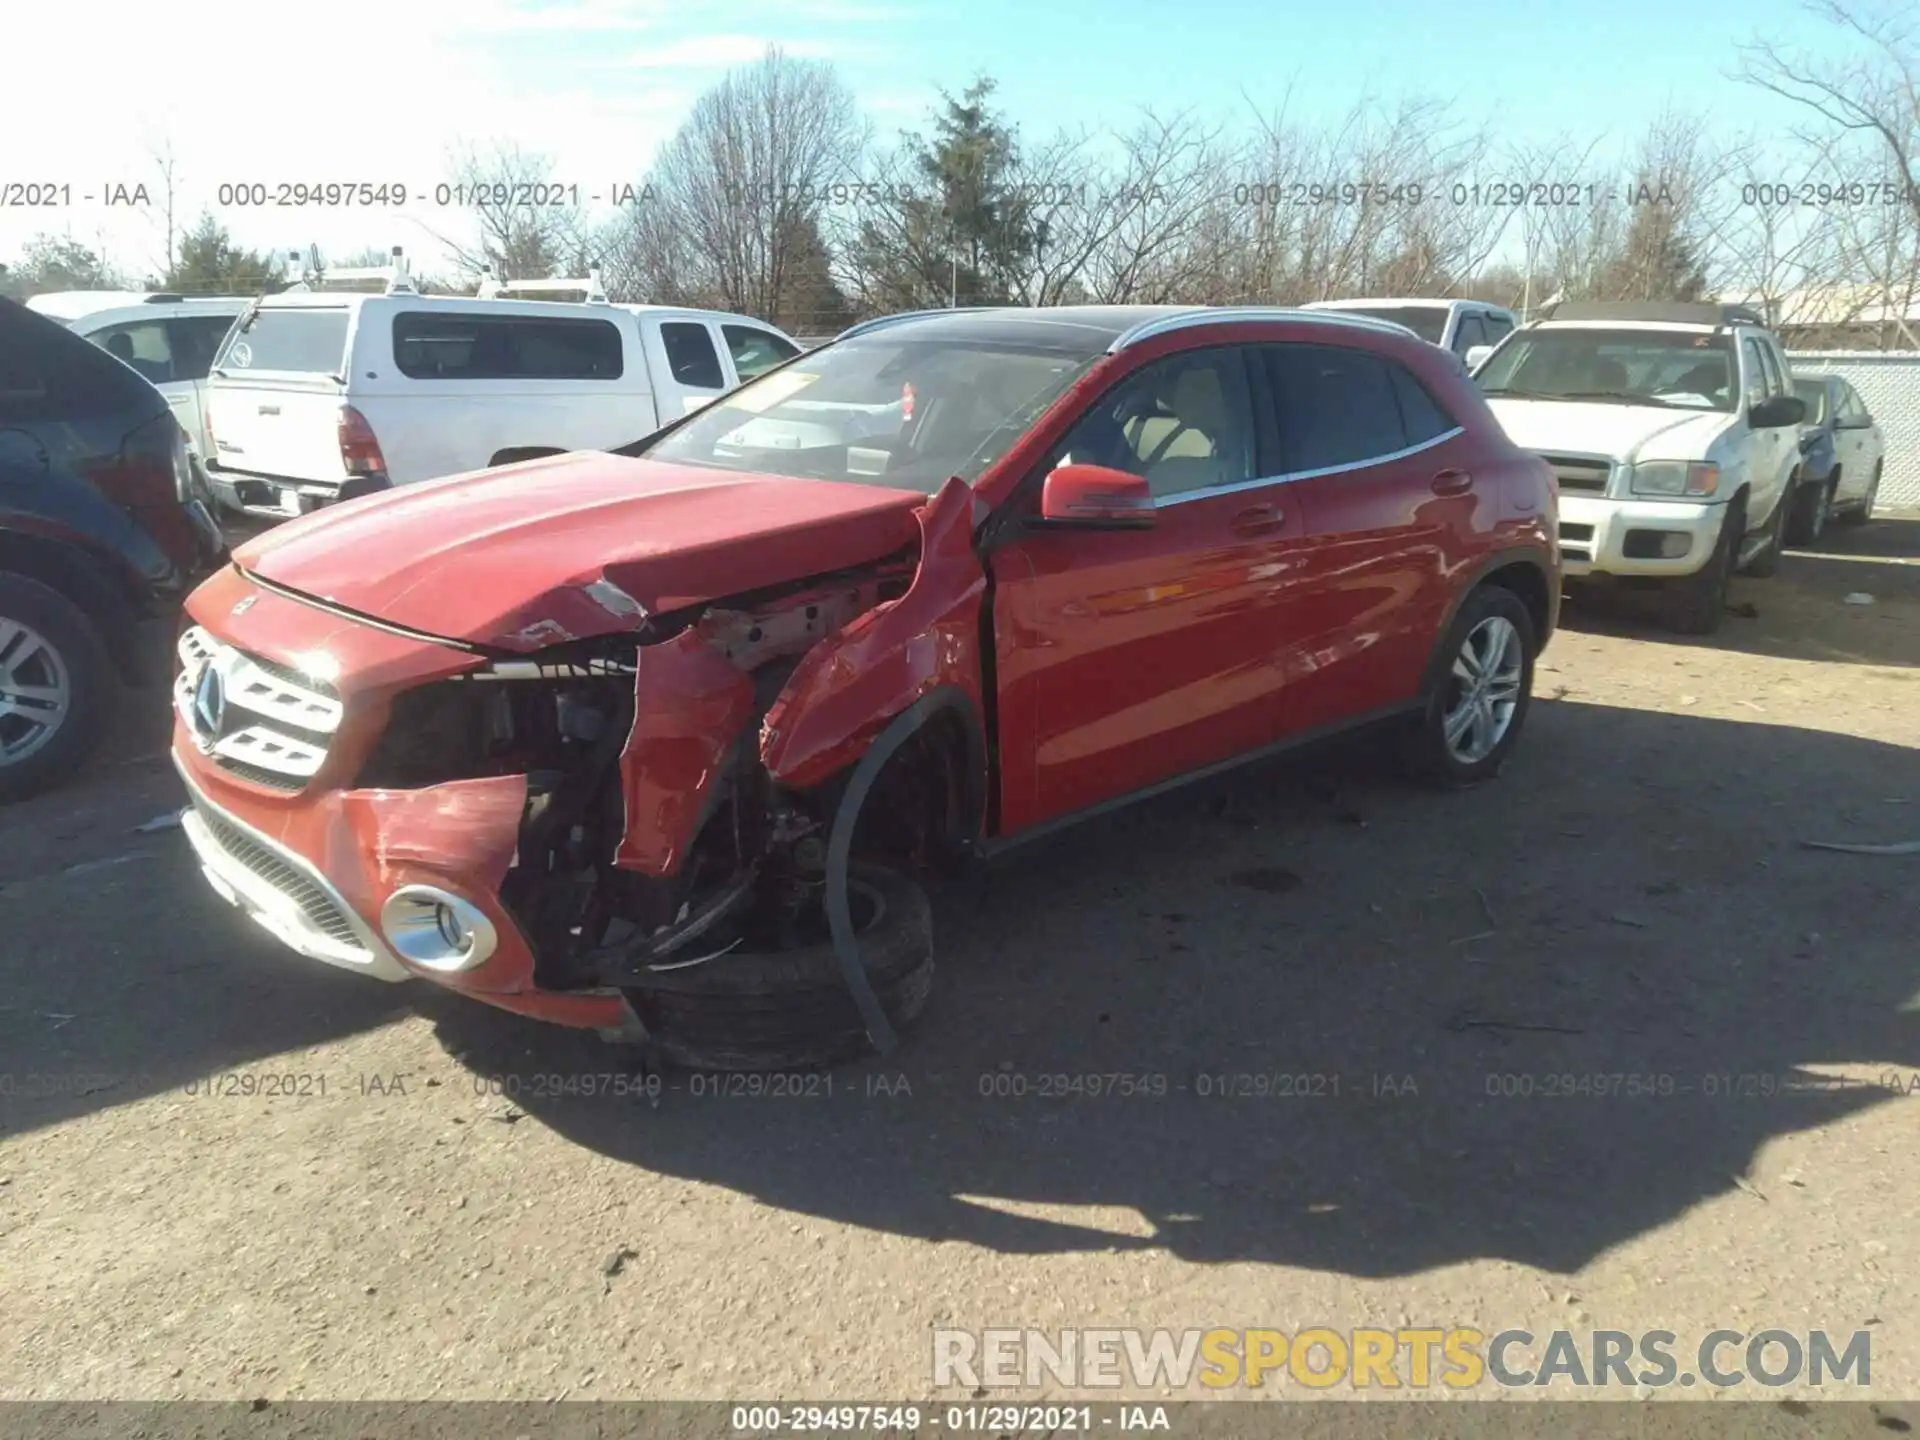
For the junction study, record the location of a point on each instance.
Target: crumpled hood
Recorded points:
(570, 546)
(1620, 431)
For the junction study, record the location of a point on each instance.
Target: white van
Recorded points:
(169, 339)
(317, 392)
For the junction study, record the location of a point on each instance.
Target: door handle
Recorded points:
(1258, 520)
(1452, 482)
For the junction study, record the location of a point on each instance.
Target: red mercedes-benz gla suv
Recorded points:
(652, 742)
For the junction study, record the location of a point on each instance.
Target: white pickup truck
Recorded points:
(320, 395)
(1673, 432)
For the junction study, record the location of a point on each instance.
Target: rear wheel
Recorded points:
(1696, 603)
(791, 1009)
(1812, 507)
(1474, 713)
(53, 681)
(1864, 511)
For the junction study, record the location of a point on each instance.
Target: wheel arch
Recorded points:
(1522, 570)
(76, 576)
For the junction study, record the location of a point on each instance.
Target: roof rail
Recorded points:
(1671, 312)
(881, 321)
(1250, 314)
(497, 287)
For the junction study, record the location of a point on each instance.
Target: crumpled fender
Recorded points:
(846, 689)
(690, 704)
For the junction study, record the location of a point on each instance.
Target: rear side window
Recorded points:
(144, 346)
(49, 373)
(452, 346)
(691, 356)
(1336, 406)
(1498, 328)
(1422, 416)
(1470, 334)
(755, 351)
(296, 342)
(196, 340)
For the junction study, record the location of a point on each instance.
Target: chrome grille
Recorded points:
(315, 904)
(261, 720)
(1581, 473)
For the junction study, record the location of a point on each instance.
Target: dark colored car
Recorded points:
(649, 742)
(1842, 453)
(102, 534)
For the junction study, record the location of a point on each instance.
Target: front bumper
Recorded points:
(1636, 537)
(281, 892)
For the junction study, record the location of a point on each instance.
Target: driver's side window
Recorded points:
(1183, 423)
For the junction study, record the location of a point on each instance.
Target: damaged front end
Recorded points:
(575, 830)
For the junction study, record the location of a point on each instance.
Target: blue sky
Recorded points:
(382, 89)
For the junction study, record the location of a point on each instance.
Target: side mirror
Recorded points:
(1776, 411)
(1094, 497)
(1476, 356)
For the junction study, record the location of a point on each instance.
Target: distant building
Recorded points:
(1841, 317)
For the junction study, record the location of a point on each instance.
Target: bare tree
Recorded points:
(732, 209)
(1864, 110)
(528, 222)
(165, 211)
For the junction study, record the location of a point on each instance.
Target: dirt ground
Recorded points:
(1630, 898)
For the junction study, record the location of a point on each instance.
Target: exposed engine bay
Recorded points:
(654, 837)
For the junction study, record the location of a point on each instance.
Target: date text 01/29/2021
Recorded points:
(1000, 1419)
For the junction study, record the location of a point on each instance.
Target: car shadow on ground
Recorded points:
(1804, 603)
(1377, 1030)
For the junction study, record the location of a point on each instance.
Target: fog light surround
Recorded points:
(437, 930)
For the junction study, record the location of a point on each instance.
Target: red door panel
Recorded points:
(1375, 579)
(1133, 657)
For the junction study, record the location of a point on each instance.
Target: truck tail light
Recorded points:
(359, 447)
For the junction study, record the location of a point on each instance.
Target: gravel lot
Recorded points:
(1630, 898)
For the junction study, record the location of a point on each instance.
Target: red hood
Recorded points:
(528, 555)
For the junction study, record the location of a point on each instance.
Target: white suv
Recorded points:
(320, 395)
(1457, 325)
(1673, 431)
(169, 339)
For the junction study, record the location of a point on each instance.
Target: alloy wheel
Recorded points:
(36, 692)
(1485, 689)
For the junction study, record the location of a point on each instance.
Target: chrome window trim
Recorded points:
(1251, 315)
(1287, 477)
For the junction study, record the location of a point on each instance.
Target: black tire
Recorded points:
(1763, 565)
(81, 654)
(792, 1010)
(1697, 603)
(1424, 748)
(1812, 508)
(1863, 512)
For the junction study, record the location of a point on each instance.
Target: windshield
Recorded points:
(1814, 392)
(301, 342)
(1677, 369)
(882, 409)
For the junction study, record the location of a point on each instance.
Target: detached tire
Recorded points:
(792, 1010)
(1486, 680)
(46, 645)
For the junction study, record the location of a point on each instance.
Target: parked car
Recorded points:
(1673, 433)
(100, 540)
(169, 340)
(1842, 454)
(651, 741)
(319, 395)
(1462, 326)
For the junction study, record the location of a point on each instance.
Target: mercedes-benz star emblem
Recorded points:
(210, 704)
